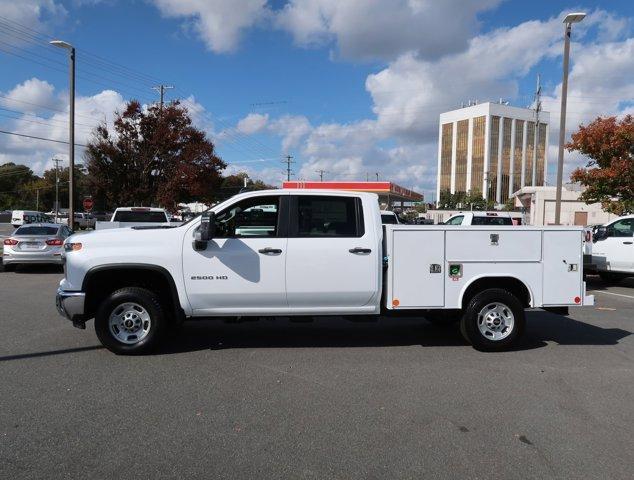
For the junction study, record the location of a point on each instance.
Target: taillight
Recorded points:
(55, 241)
(10, 241)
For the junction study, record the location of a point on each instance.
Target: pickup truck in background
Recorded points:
(613, 249)
(485, 218)
(313, 253)
(136, 216)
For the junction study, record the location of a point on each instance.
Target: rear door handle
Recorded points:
(627, 243)
(360, 250)
(270, 251)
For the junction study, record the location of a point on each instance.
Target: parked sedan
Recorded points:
(35, 243)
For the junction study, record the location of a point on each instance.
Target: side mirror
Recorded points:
(206, 230)
(600, 234)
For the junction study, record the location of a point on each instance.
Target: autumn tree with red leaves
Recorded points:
(153, 157)
(609, 174)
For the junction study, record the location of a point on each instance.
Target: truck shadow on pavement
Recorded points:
(594, 282)
(542, 327)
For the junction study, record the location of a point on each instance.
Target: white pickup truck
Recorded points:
(316, 252)
(124, 217)
(613, 249)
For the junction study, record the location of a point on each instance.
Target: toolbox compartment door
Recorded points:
(563, 267)
(417, 269)
(513, 244)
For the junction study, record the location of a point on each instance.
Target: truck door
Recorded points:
(242, 269)
(616, 251)
(333, 257)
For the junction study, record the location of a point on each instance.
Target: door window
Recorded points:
(455, 220)
(323, 216)
(622, 228)
(252, 217)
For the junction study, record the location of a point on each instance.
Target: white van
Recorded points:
(22, 217)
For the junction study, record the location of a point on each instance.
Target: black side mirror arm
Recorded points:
(206, 230)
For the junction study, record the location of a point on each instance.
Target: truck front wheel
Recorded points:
(493, 320)
(130, 321)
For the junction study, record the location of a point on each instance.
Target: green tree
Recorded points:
(609, 174)
(154, 157)
(14, 191)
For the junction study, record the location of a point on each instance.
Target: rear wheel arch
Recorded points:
(101, 281)
(511, 284)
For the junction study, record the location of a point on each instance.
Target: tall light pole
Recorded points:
(71, 130)
(568, 21)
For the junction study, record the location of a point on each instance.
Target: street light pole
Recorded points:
(568, 21)
(71, 130)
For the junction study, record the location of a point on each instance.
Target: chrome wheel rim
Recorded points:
(129, 323)
(496, 321)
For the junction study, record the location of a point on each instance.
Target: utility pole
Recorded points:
(538, 108)
(377, 176)
(56, 161)
(367, 177)
(161, 89)
(288, 161)
(37, 199)
(321, 174)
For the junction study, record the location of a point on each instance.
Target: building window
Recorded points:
(461, 156)
(517, 154)
(506, 159)
(530, 152)
(492, 174)
(445, 157)
(541, 150)
(477, 155)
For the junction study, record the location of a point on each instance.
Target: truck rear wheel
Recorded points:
(131, 321)
(493, 320)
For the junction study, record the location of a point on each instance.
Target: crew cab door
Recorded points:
(616, 251)
(242, 270)
(333, 255)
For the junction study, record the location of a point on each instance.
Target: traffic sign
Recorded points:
(88, 204)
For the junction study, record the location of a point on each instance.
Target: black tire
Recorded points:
(610, 277)
(158, 326)
(469, 324)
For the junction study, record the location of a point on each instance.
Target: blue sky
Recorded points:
(349, 87)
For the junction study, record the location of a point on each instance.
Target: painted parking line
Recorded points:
(615, 294)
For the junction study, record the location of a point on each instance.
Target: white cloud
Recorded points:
(383, 29)
(252, 123)
(32, 95)
(292, 128)
(219, 23)
(33, 14)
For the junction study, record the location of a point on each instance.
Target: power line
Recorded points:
(321, 174)
(161, 89)
(40, 138)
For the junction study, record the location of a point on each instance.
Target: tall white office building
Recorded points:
(493, 149)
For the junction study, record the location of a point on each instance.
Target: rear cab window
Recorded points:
(455, 220)
(326, 216)
(490, 220)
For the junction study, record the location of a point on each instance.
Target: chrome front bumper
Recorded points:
(71, 306)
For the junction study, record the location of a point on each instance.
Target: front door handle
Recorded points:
(627, 243)
(360, 250)
(270, 251)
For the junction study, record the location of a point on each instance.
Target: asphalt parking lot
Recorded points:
(329, 399)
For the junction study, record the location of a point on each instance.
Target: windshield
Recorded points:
(35, 230)
(139, 216)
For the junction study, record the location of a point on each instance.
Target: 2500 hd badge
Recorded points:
(210, 277)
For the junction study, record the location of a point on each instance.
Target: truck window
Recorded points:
(252, 217)
(139, 216)
(322, 216)
(491, 221)
(455, 220)
(622, 228)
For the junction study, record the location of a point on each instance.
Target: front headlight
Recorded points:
(72, 247)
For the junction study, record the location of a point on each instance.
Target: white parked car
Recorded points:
(35, 243)
(316, 252)
(613, 249)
